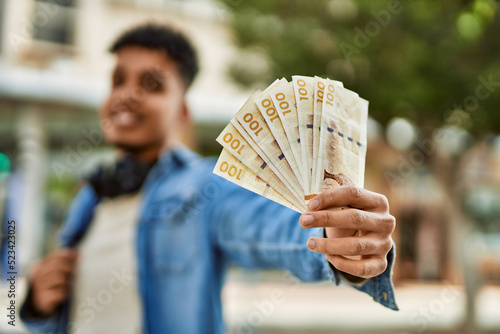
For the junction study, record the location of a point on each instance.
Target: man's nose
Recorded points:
(129, 97)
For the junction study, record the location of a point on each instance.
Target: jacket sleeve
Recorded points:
(75, 225)
(57, 323)
(254, 232)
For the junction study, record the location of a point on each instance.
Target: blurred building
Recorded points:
(54, 69)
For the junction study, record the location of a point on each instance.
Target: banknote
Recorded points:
(342, 146)
(269, 163)
(304, 98)
(233, 170)
(234, 142)
(296, 139)
(270, 114)
(254, 124)
(283, 99)
(319, 90)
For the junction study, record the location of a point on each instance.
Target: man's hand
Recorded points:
(51, 280)
(358, 227)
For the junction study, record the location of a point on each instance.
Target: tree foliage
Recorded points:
(427, 61)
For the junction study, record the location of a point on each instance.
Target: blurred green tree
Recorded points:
(434, 63)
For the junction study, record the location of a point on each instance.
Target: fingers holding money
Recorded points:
(351, 219)
(358, 227)
(363, 257)
(364, 268)
(352, 246)
(352, 196)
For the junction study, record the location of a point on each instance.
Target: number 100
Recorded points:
(231, 170)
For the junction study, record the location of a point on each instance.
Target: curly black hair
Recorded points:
(163, 38)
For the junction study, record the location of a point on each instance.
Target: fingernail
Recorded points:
(311, 244)
(314, 204)
(307, 220)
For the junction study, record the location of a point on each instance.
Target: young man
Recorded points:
(146, 244)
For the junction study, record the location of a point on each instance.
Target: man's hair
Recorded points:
(163, 38)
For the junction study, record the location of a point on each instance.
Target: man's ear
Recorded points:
(185, 115)
(187, 133)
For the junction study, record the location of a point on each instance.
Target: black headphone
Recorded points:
(125, 177)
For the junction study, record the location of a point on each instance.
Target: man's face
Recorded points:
(146, 107)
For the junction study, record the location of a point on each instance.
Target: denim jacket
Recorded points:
(193, 224)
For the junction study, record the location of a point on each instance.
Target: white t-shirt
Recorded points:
(105, 298)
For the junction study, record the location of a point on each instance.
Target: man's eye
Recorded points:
(117, 80)
(151, 83)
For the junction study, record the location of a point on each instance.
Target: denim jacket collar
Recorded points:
(80, 216)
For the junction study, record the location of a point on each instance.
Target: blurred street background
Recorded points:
(430, 69)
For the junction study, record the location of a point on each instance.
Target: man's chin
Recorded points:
(133, 147)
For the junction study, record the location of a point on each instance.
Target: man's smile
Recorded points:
(126, 119)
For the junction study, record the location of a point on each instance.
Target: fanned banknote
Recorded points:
(296, 139)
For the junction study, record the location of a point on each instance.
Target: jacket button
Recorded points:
(384, 295)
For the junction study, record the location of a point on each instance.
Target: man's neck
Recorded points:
(145, 155)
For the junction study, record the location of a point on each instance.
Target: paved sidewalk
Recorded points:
(323, 308)
(283, 305)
